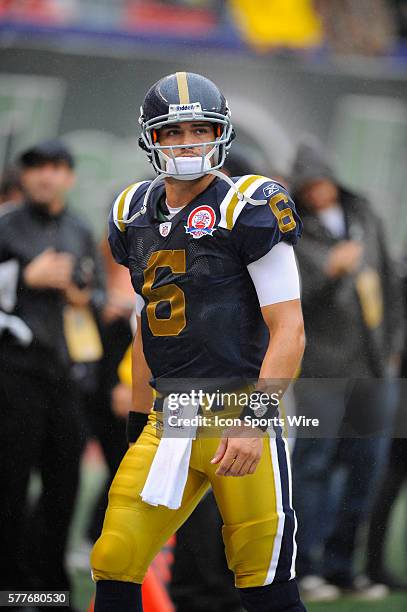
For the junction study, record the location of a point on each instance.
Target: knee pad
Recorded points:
(112, 554)
(279, 597)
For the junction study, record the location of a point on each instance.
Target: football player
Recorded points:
(217, 296)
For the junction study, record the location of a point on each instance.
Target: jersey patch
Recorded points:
(201, 222)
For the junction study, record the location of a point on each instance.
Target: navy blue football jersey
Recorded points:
(201, 317)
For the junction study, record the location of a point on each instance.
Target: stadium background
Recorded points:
(78, 69)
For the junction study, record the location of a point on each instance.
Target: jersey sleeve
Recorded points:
(259, 227)
(117, 241)
(275, 275)
(122, 209)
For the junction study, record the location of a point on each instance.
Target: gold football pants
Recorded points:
(259, 522)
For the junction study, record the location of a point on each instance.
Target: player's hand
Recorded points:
(344, 258)
(117, 307)
(49, 270)
(237, 453)
(121, 400)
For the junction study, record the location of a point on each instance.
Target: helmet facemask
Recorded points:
(163, 158)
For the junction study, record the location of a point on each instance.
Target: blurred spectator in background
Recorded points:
(48, 327)
(351, 304)
(10, 189)
(10, 195)
(401, 17)
(365, 27)
(392, 482)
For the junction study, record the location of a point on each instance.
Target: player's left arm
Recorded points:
(276, 280)
(286, 345)
(277, 285)
(239, 456)
(273, 229)
(265, 235)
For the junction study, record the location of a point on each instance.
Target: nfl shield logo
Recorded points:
(164, 228)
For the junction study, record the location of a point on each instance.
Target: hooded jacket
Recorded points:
(354, 323)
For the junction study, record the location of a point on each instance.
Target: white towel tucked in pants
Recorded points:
(168, 472)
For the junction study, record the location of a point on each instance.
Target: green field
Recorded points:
(93, 473)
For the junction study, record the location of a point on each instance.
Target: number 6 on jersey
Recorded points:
(175, 323)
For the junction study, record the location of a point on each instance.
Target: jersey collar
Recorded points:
(159, 208)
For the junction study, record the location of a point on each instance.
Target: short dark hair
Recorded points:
(53, 151)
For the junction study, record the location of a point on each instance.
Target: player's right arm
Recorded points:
(142, 393)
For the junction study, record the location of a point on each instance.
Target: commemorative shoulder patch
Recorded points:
(201, 222)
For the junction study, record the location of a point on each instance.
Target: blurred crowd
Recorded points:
(366, 27)
(65, 329)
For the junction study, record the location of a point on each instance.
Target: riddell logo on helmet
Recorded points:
(176, 108)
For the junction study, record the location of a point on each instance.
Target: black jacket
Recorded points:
(339, 341)
(25, 232)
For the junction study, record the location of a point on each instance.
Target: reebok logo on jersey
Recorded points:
(271, 189)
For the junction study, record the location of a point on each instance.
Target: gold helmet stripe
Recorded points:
(183, 90)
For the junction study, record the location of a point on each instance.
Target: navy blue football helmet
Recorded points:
(185, 96)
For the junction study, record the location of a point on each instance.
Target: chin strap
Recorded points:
(143, 209)
(161, 178)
